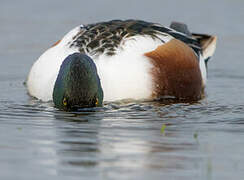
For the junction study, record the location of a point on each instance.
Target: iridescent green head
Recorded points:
(78, 84)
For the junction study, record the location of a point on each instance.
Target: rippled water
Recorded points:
(123, 140)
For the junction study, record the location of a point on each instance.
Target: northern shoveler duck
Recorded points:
(117, 60)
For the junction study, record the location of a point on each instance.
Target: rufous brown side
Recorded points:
(175, 71)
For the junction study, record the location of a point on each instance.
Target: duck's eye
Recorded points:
(65, 102)
(97, 102)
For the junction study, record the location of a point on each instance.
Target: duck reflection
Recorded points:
(78, 138)
(117, 140)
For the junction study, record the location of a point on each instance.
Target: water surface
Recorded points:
(202, 140)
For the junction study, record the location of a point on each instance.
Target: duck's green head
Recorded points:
(78, 84)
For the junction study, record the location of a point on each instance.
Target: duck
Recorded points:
(122, 59)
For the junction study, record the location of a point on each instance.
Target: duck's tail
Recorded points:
(207, 43)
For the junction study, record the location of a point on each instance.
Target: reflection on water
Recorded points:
(113, 142)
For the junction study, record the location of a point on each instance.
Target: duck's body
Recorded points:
(134, 60)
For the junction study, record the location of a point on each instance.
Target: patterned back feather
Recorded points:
(105, 37)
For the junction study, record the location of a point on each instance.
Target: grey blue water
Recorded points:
(122, 140)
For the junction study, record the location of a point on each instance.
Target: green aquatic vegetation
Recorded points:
(195, 135)
(163, 127)
(19, 128)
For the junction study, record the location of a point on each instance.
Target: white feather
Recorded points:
(203, 70)
(127, 74)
